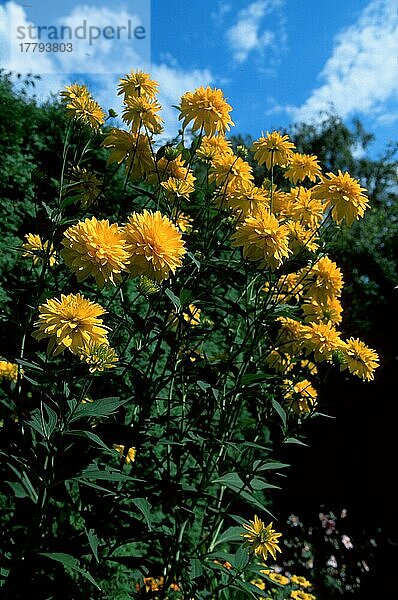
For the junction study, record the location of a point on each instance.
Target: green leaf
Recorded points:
(52, 421)
(259, 484)
(253, 500)
(241, 558)
(237, 519)
(36, 422)
(203, 385)
(99, 408)
(24, 480)
(41, 424)
(69, 200)
(29, 365)
(232, 534)
(94, 542)
(196, 569)
(250, 590)
(221, 557)
(173, 298)
(194, 260)
(254, 445)
(19, 490)
(269, 466)
(92, 472)
(90, 436)
(96, 487)
(280, 410)
(292, 440)
(254, 378)
(235, 483)
(72, 563)
(143, 505)
(185, 296)
(232, 481)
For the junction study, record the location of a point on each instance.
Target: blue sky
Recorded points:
(278, 61)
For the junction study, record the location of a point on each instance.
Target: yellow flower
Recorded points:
(359, 359)
(183, 222)
(258, 583)
(323, 312)
(213, 147)
(344, 195)
(288, 289)
(99, 356)
(280, 200)
(156, 245)
(176, 168)
(278, 578)
(309, 366)
(87, 185)
(8, 370)
(132, 147)
(82, 107)
(291, 335)
(304, 208)
(301, 396)
(301, 238)
(192, 315)
(301, 581)
(300, 595)
(279, 361)
(141, 112)
(177, 188)
(322, 339)
(324, 280)
(87, 400)
(247, 198)
(70, 322)
(137, 83)
(260, 539)
(227, 565)
(207, 108)
(96, 248)
(130, 454)
(41, 252)
(302, 166)
(230, 172)
(263, 239)
(154, 584)
(74, 91)
(273, 149)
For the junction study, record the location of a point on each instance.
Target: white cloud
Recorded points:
(247, 36)
(221, 10)
(100, 55)
(361, 75)
(21, 62)
(173, 80)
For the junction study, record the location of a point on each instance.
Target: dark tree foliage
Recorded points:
(351, 458)
(360, 443)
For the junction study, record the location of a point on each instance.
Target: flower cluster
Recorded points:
(185, 216)
(288, 586)
(80, 105)
(40, 252)
(8, 370)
